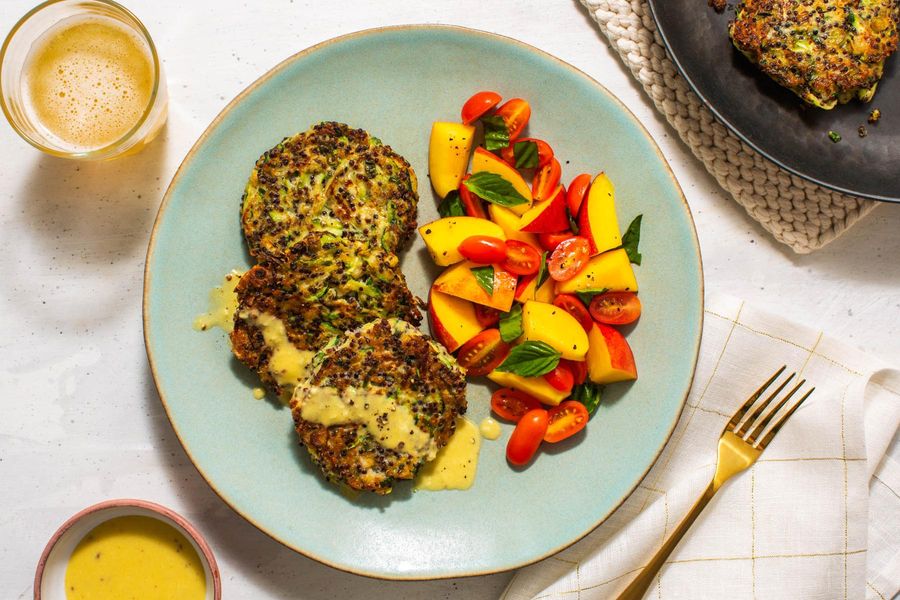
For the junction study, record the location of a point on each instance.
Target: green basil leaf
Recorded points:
(526, 154)
(511, 324)
(496, 133)
(543, 272)
(588, 394)
(587, 295)
(451, 205)
(631, 239)
(530, 359)
(493, 188)
(485, 278)
(573, 223)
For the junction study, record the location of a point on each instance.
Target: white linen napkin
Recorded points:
(817, 516)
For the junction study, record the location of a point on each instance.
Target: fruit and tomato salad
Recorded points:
(539, 277)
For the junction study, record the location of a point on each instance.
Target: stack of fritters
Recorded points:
(323, 214)
(825, 51)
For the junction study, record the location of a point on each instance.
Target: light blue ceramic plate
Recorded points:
(394, 82)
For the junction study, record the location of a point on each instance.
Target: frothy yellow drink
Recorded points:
(88, 82)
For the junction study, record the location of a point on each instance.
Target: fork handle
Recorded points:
(641, 583)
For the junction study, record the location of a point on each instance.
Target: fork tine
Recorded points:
(757, 410)
(762, 422)
(739, 415)
(765, 441)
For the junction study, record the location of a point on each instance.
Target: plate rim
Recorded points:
(188, 158)
(741, 136)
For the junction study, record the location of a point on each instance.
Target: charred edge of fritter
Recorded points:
(346, 455)
(247, 341)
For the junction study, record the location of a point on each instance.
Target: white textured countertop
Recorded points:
(80, 420)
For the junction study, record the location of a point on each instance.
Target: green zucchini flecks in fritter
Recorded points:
(825, 51)
(391, 358)
(333, 286)
(331, 178)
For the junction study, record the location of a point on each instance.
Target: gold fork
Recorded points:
(742, 442)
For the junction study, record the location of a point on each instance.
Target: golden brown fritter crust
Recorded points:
(337, 286)
(388, 357)
(330, 178)
(825, 51)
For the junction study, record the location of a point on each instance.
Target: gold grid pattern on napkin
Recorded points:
(741, 549)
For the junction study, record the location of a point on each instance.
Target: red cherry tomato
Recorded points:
(515, 113)
(472, 204)
(578, 367)
(546, 180)
(477, 105)
(484, 352)
(544, 152)
(561, 378)
(483, 249)
(511, 404)
(527, 436)
(575, 307)
(521, 258)
(565, 420)
(577, 191)
(569, 258)
(486, 316)
(549, 241)
(616, 308)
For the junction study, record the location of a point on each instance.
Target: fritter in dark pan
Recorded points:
(825, 51)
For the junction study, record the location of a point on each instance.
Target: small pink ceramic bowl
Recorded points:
(50, 578)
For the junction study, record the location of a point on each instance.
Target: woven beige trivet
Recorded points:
(796, 212)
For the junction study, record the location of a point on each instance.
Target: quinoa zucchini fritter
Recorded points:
(334, 286)
(411, 390)
(825, 51)
(325, 317)
(330, 178)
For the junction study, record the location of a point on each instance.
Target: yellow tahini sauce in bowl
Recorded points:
(127, 549)
(134, 557)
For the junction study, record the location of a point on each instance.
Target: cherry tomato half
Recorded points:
(577, 192)
(546, 180)
(511, 404)
(549, 241)
(569, 258)
(561, 378)
(527, 436)
(616, 308)
(575, 307)
(484, 352)
(486, 316)
(472, 204)
(565, 420)
(477, 105)
(521, 258)
(579, 369)
(544, 152)
(515, 113)
(483, 249)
